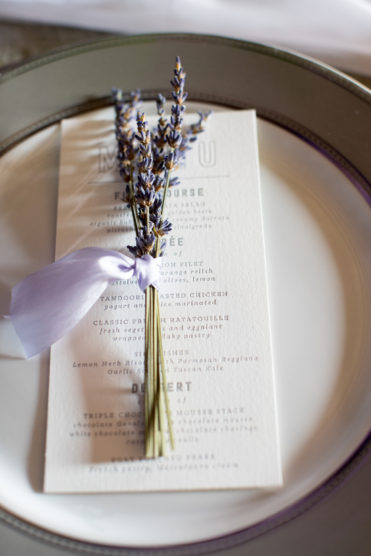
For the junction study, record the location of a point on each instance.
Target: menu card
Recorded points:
(215, 322)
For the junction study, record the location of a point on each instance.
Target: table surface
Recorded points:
(339, 525)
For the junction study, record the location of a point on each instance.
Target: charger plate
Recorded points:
(315, 140)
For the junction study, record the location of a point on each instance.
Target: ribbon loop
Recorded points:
(147, 271)
(49, 303)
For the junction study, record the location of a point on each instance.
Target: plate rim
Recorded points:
(302, 60)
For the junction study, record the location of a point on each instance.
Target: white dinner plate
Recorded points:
(315, 188)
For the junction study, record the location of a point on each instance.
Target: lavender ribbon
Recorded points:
(49, 303)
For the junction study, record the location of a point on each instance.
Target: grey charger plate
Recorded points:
(318, 104)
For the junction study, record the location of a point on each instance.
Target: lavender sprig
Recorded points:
(146, 161)
(126, 149)
(125, 113)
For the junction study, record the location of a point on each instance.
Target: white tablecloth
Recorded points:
(337, 32)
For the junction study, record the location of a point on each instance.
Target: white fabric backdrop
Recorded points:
(337, 32)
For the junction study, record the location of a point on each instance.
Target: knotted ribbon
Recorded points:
(49, 303)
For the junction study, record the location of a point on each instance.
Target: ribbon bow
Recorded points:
(49, 303)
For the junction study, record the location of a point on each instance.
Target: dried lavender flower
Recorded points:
(146, 160)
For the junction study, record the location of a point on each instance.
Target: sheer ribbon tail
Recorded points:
(49, 303)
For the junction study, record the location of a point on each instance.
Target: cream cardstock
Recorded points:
(215, 325)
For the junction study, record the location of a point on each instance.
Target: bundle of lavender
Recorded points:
(146, 160)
